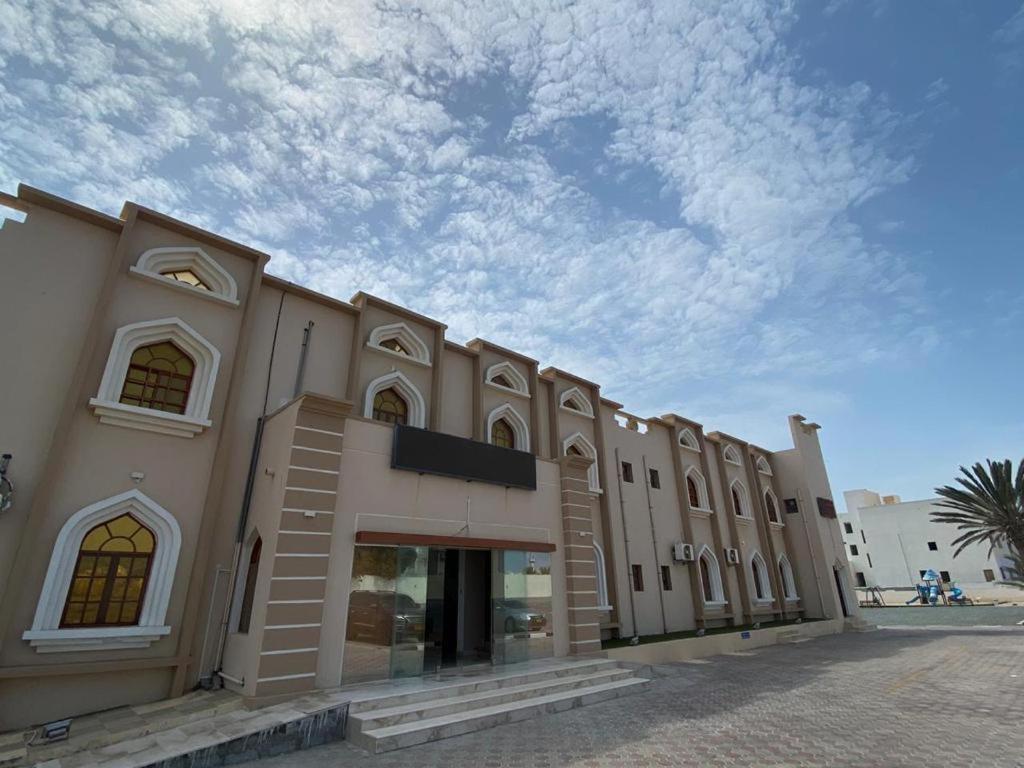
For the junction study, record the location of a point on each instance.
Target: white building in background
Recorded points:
(890, 543)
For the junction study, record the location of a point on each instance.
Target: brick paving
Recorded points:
(889, 698)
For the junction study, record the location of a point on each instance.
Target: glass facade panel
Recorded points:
(409, 621)
(371, 609)
(521, 606)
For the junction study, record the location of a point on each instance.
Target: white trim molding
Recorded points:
(47, 636)
(127, 339)
(757, 563)
(520, 428)
(688, 440)
(738, 490)
(581, 403)
(602, 579)
(732, 456)
(706, 559)
(419, 352)
(702, 490)
(519, 384)
(156, 261)
(787, 578)
(763, 466)
(587, 449)
(417, 416)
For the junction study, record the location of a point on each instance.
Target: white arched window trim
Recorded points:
(47, 636)
(731, 455)
(763, 466)
(154, 262)
(419, 352)
(706, 559)
(757, 562)
(417, 416)
(788, 580)
(688, 440)
(197, 410)
(770, 494)
(602, 579)
(702, 490)
(741, 491)
(579, 400)
(587, 449)
(520, 428)
(519, 384)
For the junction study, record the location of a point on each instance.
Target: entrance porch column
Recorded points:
(578, 539)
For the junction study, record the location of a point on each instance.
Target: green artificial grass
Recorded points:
(689, 633)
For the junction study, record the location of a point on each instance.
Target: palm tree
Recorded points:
(988, 508)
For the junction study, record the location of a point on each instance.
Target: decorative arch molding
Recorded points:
(602, 579)
(400, 382)
(763, 466)
(688, 440)
(127, 339)
(738, 492)
(760, 569)
(787, 578)
(511, 374)
(771, 502)
(585, 447)
(520, 428)
(706, 560)
(418, 350)
(155, 263)
(702, 490)
(47, 636)
(574, 401)
(731, 455)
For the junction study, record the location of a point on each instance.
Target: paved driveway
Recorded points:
(922, 698)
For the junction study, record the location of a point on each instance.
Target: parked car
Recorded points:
(516, 616)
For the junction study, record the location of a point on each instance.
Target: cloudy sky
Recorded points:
(732, 210)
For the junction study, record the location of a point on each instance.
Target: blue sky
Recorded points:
(734, 211)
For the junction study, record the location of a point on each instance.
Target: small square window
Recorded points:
(853, 550)
(638, 578)
(655, 478)
(990, 575)
(627, 472)
(861, 581)
(666, 578)
(933, 547)
(848, 528)
(945, 576)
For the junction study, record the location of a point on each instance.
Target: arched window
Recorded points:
(740, 503)
(577, 445)
(249, 590)
(395, 346)
(159, 377)
(190, 269)
(688, 440)
(389, 406)
(697, 490)
(771, 506)
(110, 574)
(186, 276)
(602, 579)
(400, 339)
(760, 585)
(786, 578)
(572, 450)
(574, 400)
(763, 466)
(502, 435)
(731, 455)
(710, 578)
(506, 376)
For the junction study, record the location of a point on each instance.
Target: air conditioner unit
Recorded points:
(732, 556)
(682, 553)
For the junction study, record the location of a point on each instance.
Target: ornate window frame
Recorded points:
(583, 405)
(702, 490)
(730, 455)
(419, 352)
(688, 440)
(519, 384)
(714, 577)
(520, 428)
(46, 636)
(127, 339)
(757, 562)
(587, 449)
(153, 263)
(417, 416)
(770, 494)
(763, 466)
(788, 579)
(744, 512)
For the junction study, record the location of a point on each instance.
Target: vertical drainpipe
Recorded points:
(654, 543)
(301, 373)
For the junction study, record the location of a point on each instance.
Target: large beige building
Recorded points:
(222, 476)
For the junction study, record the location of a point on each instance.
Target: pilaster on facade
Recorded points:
(764, 533)
(577, 504)
(683, 500)
(734, 534)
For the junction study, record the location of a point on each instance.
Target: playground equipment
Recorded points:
(931, 592)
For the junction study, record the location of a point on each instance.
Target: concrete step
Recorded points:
(410, 713)
(464, 687)
(410, 734)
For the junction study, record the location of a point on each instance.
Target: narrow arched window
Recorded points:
(249, 591)
(502, 434)
(159, 377)
(186, 276)
(736, 505)
(692, 492)
(758, 586)
(109, 582)
(773, 511)
(389, 406)
(705, 581)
